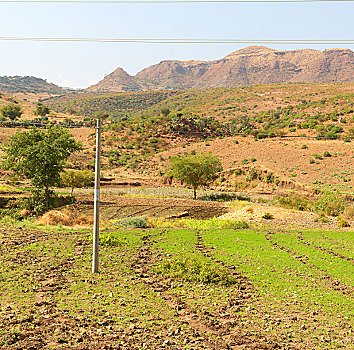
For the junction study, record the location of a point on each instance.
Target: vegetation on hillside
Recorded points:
(18, 84)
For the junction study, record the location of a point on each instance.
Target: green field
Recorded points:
(245, 289)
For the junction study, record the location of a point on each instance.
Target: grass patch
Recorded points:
(213, 223)
(195, 270)
(111, 239)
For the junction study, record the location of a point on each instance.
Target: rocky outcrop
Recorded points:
(249, 66)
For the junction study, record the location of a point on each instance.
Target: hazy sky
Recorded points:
(82, 64)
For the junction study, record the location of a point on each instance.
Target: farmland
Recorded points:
(262, 259)
(255, 289)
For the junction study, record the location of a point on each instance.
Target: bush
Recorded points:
(331, 203)
(11, 111)
(220, 197)
(267, 216)
(322, 219)
(133, 222)
(343, 223)
(312, 161)
(239, 172)
(327, 154)
(195, 270)
(348, 213)
(294, 202)
(111, 239)
(39, 202)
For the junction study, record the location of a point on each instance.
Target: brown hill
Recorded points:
(249, 66)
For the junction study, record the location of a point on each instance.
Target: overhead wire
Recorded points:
(162, 1)
(181, 40)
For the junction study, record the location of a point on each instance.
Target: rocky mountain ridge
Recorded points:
(249, 66)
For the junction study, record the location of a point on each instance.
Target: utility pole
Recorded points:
(96, 220)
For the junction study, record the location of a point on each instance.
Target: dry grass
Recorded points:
(65, 218)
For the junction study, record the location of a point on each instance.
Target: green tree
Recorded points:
(77, 178)
(41, 110)
(11, 111)
(165, 112)
(40, 156)
(198, 170)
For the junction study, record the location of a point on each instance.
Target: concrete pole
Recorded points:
(96, 220)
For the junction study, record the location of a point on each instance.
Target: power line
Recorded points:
(182, 41)
(162, 1)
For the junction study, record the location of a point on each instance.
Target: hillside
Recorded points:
(291, 108)
(19, 84)
(148, 127)
(249, 66)
(116, 105)
(28, 107)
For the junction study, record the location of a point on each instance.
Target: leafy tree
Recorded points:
(40, 156)
(11, 111)
(165, 112)
(195, 170)
(77, 178)
(41, 110)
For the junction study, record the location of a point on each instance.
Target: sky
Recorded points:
(78, 65)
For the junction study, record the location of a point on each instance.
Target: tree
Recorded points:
(77, 178)
(11, 111)
(165, 112)
(41, 110)
(195, 170)
(40, 156)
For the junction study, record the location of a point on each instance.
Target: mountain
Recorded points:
(18, 84)
(249, 66)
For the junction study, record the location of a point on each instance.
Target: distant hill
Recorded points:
(305, 101)
(249, 66)
(18, 84)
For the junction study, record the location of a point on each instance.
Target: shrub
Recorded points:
(318, 156)
(111, 239)
(331, 203)
(348, 213)
(239, 172)
(220, 197)
(304, 147)
(133, 222)
(37, 205)
(294, 202)
(267, 216)
(312, 161)
(240, 185)
(327, 154)
(11, 111)
(195, 270)
(269, 178)
(343, 223)
(322, 219)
